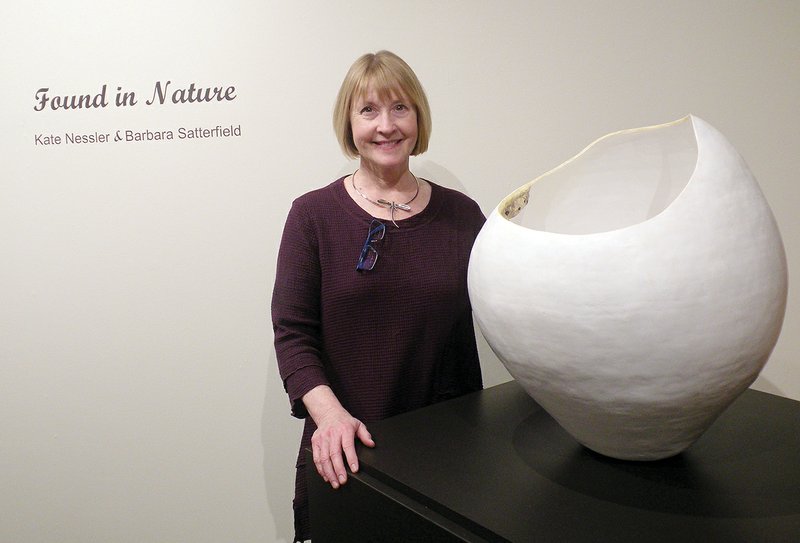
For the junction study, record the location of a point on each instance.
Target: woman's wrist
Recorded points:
(322, 403)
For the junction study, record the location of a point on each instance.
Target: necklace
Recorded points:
(380, 202)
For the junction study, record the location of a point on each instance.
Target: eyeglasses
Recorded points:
(369, 256)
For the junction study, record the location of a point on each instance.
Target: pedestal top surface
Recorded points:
(497, 463)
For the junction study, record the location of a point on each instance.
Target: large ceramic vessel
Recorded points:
(637, 289)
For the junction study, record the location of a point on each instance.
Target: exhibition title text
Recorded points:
(162, 93)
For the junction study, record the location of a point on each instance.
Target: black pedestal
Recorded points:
(493, 466)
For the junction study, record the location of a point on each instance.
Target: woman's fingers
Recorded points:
(350, 449)
(350, 455)
(318, 460)
(340, 473)
(321, 448)
(364, 435)
(333, 446)
(327, 444)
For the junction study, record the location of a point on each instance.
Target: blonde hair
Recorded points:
(385, 73)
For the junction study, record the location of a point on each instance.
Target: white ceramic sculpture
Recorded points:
(637, 289)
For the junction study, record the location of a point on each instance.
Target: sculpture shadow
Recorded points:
(718, 476)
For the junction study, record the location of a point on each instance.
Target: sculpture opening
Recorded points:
(620, 180)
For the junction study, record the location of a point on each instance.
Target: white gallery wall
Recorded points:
(139, 395)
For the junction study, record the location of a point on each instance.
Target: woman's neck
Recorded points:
(394, 179)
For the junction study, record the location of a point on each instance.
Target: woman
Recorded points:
(370, 307)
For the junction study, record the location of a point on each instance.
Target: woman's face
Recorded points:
(384, 129)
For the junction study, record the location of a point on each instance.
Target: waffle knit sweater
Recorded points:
(389, 340)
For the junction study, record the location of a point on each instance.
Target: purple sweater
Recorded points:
(388, 340)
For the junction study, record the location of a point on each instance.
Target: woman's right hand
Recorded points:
(333, 442)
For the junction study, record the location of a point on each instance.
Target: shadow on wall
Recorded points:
(764, 385)
(280, 437)
(439, 175)
(494, 372)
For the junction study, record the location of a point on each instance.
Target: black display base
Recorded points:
(494, 466)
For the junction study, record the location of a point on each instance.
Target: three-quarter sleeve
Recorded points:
(296, 310)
